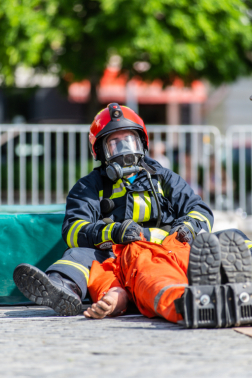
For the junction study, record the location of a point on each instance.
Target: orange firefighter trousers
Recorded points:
(153, 275)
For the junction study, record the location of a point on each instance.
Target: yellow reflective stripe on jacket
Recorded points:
(197, 215)
(157, 235)
(72, 235)
(80, 267)
(189, 225)
(118, 190)
(106, 232)
(141, 207)
(160, 190)
(126, 229)
(100, 195)
(248, 243)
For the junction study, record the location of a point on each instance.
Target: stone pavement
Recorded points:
(36, 343)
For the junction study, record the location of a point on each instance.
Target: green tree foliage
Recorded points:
(191, 39)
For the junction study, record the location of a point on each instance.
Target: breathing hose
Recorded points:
(115, 171)
(156, 199)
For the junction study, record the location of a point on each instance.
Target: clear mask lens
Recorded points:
(122, 145)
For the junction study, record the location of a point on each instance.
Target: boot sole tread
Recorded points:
(36, 286)
(236, 259)
(204, 261)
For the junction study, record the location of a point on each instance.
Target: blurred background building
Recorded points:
(47, 103)
(198, 104)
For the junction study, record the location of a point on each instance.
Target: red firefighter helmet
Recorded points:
(113, 118)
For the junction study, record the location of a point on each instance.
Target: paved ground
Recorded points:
(36, 343)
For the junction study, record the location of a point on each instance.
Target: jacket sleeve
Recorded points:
(187, 207)
(83, 226)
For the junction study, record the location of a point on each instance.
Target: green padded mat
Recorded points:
(28, 238)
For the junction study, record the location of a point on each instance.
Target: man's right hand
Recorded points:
(102, 308)
(127, 232)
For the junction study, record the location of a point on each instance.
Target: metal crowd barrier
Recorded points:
(239, 168)
(40, 163)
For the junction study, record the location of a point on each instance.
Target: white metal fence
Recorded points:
(239, 168)
(40, 163)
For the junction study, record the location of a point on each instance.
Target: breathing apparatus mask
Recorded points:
(123, 153)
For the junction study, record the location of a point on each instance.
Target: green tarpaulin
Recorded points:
(27, 237)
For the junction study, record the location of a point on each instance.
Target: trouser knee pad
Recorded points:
(216, 306)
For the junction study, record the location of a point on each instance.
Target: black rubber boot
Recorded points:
(52, 290)
(216, 306)
(206, 302)
(204, 261)
(236, 258)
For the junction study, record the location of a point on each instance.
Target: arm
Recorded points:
(113, 303)
(188, 210)
(188, 207)
(83, 225)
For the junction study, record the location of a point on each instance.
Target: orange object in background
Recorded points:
(153, 275)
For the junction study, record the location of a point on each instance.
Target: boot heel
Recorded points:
(203, 307)
(218, 306)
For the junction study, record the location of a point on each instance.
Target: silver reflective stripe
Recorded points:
(72, 233)
(106, 232)
(142, 206)
(159, 295)
(158, 234)
(189, 225)
(117, 190)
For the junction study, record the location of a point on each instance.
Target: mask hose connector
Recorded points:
(115, 171)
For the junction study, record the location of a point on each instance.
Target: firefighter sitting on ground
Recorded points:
(129, 195)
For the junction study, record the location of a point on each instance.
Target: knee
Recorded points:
(75, 252)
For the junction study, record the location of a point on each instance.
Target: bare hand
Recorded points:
(102, 308)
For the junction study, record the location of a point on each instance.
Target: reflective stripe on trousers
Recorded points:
(162, 291)
(80, 267)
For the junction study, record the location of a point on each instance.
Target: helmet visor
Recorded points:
(122, 144)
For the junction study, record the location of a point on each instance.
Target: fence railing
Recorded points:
(40, 163)
(239, 168)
